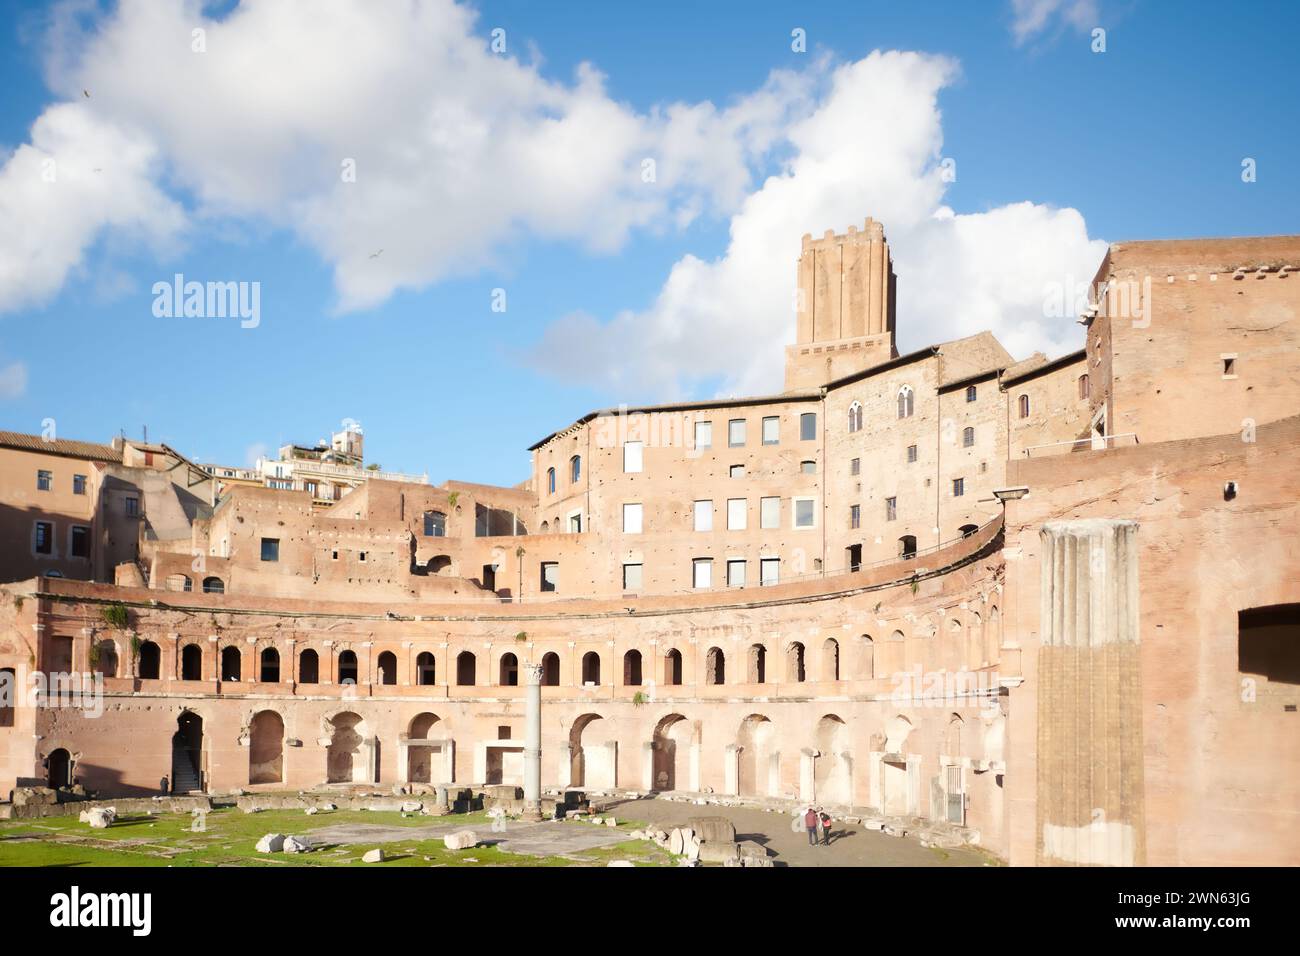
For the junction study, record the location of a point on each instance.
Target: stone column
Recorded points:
(533, 743)
(1089, 747)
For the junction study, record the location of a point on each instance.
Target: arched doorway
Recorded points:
(509, 671)
(673, 668)
(266, 748)
(187, 753)
(426, 669)
(590, 764)
(590, 669)
(308, 667)
(672, 749)
(550, 669)
(191, 662)
(632, 669)
(387, 668)
(830, 772)
(754, 769)
(59, 768)
(756, 664)
(148, 661)
(344, 762)
(419, 766)
(230, 663)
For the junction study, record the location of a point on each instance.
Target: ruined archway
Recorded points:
(345, 761)
(895, 777)
(58, 767)
(672, 750)
(266, 748)
(831, 782)
(755, 756)
(419, 767)
(187, 753)
(591, 764)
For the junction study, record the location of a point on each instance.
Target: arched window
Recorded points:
(632, 669)
(8, 696)
(231, 663)
(508, 671)
(214, 586)
(546, 527)
(970, 393)
(308, 667)
(905, 402)
(1085, 386)
(590, 668)
(270, 669)
(550, 480)
(855, 417)
(794, 663)
(348, 667)
(715, 667)
(907, 546)
(107, 663)
(149, 661)
(967, 437)
(191, 662)
(673, 668)
(1024, 406)
(757, 671)
(968, 529)
(435, 524)
(465, 669)
(866, 658)
(575, 468)
(387, 668)
(550, 669)
(179, 582)
(830, 659)
(425, 669)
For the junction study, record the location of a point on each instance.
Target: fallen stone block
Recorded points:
(460, 840)
(296, 845)
(732, 861)
(714, 829)
(750, 848)
(412, 806)
(102, 818)
(311, 811)
(755, 861)
(271, 843)
(373, 856)
(611, 822)
(710, 852)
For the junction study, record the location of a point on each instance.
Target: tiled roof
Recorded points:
(67, 448)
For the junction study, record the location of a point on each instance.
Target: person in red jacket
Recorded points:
(826, 828)
(810, 822)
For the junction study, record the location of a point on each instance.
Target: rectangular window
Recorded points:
(550, 575)
(270, 549)
(737, 511)
(631, 457)
(808, 426)
(632, 519)
(435, 524)
(575, 524)
(78, 484)
(968, 437)
(703, 435)
(44, 480)
(631, 577)
(808, 467)
(970, 393)
(44, 537)
(736, 433)
(769, 512)
(804, 514)
(704, 516)
(132, 506)
(855, 466)
(911, 453)
(855, 516)
(958, 487)
(769, 571)
(735, 574)
(736, 471)
(702, 572)
(771, 430)
(891, 509)
(80, 544)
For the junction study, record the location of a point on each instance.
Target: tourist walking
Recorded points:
(825, 820)
(810, 821)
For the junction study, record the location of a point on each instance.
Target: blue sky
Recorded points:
(1145, 140)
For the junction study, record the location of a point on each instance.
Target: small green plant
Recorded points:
(115, 616)
(136, 644)
(94, 656)
(453, 498)
(521, 636)
(639, 698)
(916, 585)
(18, 602)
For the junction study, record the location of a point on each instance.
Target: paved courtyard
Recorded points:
(849, 846)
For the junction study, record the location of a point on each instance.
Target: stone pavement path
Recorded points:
(849, 846)
(537, 839)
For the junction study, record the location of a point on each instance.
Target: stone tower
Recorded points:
(844, 306)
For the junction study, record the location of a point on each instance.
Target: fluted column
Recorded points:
(533, 743)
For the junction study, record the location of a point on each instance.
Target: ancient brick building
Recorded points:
(1056, 601)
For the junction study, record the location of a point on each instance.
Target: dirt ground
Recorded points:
(849, 845)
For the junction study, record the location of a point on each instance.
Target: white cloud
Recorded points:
(870, 146)
(459, 152)
(13, 380)
(1029, 18)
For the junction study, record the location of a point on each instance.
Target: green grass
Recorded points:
(165, 839)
